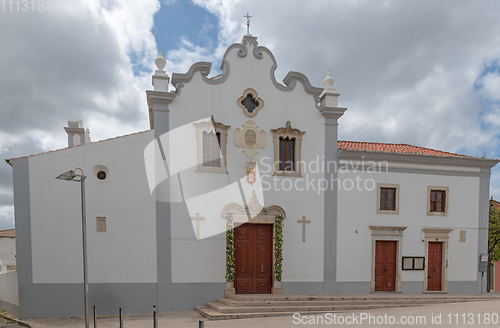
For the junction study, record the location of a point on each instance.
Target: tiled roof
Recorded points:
(406, 149)
(8, 233)
(495, 204)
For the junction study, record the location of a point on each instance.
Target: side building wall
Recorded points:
(7, 248)
(360, 226)
(49, 235)
(9, 293)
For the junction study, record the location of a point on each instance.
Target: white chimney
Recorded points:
(77, 135)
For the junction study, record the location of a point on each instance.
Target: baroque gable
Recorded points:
(249, 47)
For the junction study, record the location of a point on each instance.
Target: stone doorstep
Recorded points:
(221, 308)
(375, 297)
(214, 315)
(237, 304)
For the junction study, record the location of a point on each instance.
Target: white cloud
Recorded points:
(405, 69)
(6, 217)
(73, 62)
(180, 60)
(7, 141)
(490, 86)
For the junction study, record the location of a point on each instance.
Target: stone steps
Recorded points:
(237, 304)
(211, 314)
(259, 306)
(381, 296)
(222, 308)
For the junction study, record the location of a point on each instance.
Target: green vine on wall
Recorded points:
(230, 248)
(278, 247)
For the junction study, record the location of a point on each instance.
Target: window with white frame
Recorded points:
(437, 200)
(387, 198)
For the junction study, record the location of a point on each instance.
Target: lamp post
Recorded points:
(72, 176)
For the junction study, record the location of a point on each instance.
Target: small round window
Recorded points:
(101, 175)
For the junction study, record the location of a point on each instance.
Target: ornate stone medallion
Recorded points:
(250, 138)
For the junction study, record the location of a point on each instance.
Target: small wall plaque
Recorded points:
(101, 223)
(462, 236)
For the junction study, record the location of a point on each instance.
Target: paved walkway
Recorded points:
(452, 315)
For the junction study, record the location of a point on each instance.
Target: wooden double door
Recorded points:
(434, 266)
(253, 255)
(385, 266)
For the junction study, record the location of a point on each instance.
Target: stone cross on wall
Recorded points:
(303, 221)
(197, 218)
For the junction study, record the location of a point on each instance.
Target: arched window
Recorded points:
(211, 149)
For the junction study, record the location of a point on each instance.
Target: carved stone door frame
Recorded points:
(254, 213)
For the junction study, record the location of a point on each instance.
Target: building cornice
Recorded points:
(159, 97)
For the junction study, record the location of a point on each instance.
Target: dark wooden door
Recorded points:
(385, 266)
(434, 266)
(253, 245)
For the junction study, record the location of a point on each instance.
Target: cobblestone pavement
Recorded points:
(467, 314)
(4, 323)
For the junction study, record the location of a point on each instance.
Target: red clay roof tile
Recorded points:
(396, 149)
(8, 233)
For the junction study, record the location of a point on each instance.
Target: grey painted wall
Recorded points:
(163, 225)
(9, 293)
(483, 224)
(331, 114)
(66, 300)
(20, 168)
(302, 287)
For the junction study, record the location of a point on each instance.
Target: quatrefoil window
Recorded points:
(250, 102)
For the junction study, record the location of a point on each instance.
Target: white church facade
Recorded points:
(311, 214)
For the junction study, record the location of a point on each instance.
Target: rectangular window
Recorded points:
(388, 199)
(438, 201)
(211, 149)
(287, 154)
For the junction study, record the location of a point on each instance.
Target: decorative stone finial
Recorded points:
(160, 62)
(328, 81)
(329, 96)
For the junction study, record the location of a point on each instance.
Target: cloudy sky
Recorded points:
(420, 72)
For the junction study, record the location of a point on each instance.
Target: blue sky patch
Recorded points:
(183, 18)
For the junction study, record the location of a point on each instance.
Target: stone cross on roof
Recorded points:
(248, 23)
